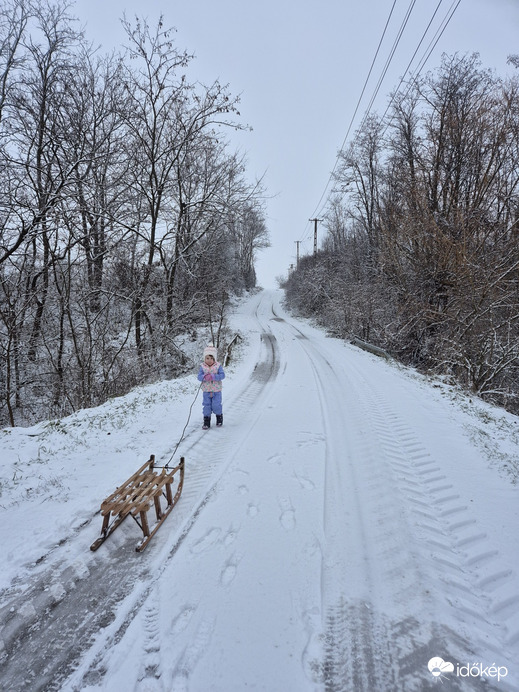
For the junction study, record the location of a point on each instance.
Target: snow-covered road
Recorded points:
(350, 522)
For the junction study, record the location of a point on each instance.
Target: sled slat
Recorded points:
(128, 484)
(141, 491)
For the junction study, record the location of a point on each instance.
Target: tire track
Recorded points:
(485, 587)
(151, 671)
(365, 550)
(372, 636)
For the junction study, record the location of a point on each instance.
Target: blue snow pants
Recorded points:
(212, 403)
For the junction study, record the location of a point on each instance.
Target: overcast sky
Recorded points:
(300, 67)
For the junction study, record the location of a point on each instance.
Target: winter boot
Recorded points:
(219, 420)
(207, 423)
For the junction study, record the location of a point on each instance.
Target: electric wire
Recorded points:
(357, 106)
(413, 57)
(373, 97)
(423, 61)
(390, 57)
(425, 57)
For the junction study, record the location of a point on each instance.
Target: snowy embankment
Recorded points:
(350, 522)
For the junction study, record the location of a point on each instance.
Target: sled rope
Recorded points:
(185, 427)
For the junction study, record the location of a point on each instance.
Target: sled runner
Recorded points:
(137, 495)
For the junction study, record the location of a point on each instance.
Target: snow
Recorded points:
(351, 521)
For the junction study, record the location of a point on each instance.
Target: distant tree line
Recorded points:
(421, 255)
(125, 219)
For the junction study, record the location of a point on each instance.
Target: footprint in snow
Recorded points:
(229, 572)
(288, 519)
(182, 619)
(230, 537)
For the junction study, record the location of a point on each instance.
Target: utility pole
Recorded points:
(297, 255)
(315, 234)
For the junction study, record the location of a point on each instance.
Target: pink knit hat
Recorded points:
(210, 350)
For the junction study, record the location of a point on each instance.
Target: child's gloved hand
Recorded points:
(208, 377)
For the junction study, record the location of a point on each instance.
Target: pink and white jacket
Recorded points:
(216, 370)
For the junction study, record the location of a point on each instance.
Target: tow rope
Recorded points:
(166, 466)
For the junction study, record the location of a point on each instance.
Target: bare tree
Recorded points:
(359, 173)
(117, 192)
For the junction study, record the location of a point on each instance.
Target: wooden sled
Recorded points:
(136, 496)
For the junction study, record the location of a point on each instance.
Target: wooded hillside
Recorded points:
(421, 255)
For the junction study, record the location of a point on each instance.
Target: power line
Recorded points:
(379, 83)
(434, 41)
(358, 104)
(446, 20)
(391, 55)
(428, 51)
(414, 55)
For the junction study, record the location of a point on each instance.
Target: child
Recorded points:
(211, 375)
